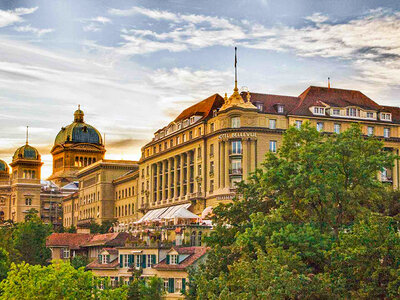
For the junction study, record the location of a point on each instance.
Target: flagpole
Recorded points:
(235, 68)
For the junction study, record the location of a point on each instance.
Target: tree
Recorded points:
(79, 261)
(29, 239)
(146, 289)
(103, 228)
(56, 281)
(4, 263)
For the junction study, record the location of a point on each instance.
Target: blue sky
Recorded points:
(134, 65)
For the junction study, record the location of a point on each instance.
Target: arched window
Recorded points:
(129, 209)
(193, 239)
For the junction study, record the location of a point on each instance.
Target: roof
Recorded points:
(3, 166)
(114, 239)
(78, 132)
(170, 212)
(269, 101)
(203, 108)
(96, 265)
(395, 111)
(194, 254)
(70, 240)
(333, 97)
(110, 251)
(71, 186)
(26, 152)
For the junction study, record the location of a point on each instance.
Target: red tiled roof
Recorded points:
(203, 108)
(194, 254)
(314, 95)
(70, 240)
(96, 265)
(110, 250)
(395, 111)
(108, 239)
(269, 101)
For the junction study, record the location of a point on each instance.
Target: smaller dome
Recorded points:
(78, 115)
(3, 166)
(26, 152)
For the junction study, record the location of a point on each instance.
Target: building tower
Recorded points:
(4, 191)
(75, 147)
(25, 182)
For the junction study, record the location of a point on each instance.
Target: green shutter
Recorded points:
(130, 260)
(183, 284)
(153, 259)
(108, 259)
(167, 259)
(99, 258)
(144, 261)
(120, 261)
(138, 257)
(171, 286)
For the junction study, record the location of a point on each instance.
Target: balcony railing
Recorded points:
(235, 151)
(236, 171)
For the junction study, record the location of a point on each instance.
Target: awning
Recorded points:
(167, 213)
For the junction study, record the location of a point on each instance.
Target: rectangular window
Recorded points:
(370, 115)
(272, 146)
(272, 124)
(211, 167)
(178, 140)
(212, 127)
(352, 112)
(298, 124)
(319, 110)
(386, 132)
(335, 112)
(212, 150)
(336, 128)
(237, 147)
(66, 252)
(370, 131)
(235, 122)
(320, 126)
(211, 186)
(173, 259)
(236, 166)
(184, 138)
(280, 109)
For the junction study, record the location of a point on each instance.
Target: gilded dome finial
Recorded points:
(248, 96)
(78, 115)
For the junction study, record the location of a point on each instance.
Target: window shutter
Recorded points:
(108, 259)
(120, 261)
(183, 284)
(167, 259)
(138, 258)
(171, 287)
(130, 260)
(99, 258)
(153, 259)
(144, 261)
(62, 253)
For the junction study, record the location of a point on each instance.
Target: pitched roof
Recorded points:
(70, 240)
(194, 254)
(108, 239)
(96, 265)
(395, 111)
(203, 108)
(314, 95)
(269, 101)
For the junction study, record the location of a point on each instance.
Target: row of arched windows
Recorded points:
(81, 161)
(124, 210)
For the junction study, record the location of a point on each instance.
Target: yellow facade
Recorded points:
(125, 195)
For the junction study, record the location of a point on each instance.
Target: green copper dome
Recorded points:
(78, 132)
(26, 152)
(3, 166)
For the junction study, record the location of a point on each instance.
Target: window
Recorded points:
(199, 131)
(66, 252)
(178, 140)
(235, 122)
(105, 259)
(237, 147)
(370, 115)
(211, 186)
(386, 132)
(320, 126)
(335, 112)
(370, 131)
(280, 109)
(212, 150)
(319, 110)
(173, 259)
(236, 166)
(28, 201)
(212, 127)
(336, 128)
(272, 124)
(190, 134)
(352, 112)
(211, 167)
(298, 124)
(184, 138)
(272, 146)
(386, 116)
(260, 106)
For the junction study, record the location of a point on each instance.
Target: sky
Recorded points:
(134, 65)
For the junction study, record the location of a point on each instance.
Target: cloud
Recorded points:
(151, 13)
(317, 18)
(10, 17)
(37, 31)
(95, 24)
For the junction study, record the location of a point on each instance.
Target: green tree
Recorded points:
(146, 289)
(56, 281)
(79, 261)
(4, 263)
(29, 239)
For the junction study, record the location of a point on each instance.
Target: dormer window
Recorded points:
(179, 125)
(173, 259)
(235, 122)
(353, 112)
(386, 116)
(319, 111)
(335, 112)
(260, 106)
(104, 259)
(215, 113)
(191, 120)
(280, 109)
(370, 115)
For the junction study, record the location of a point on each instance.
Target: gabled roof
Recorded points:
(70, 240)
(203, 108)
(114, 239)
(270, 101)
(96, 265)
(110, 251)
(194, 253)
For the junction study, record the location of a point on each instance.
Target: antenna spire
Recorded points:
(236, 68)
(329, 82)
(27, 135)
(79, 107)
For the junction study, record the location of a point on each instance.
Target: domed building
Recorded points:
(25, 182)
(75, 147)
(4, 190)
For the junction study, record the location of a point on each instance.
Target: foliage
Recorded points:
(79, 261)
(56, 281)
(149, 289)
(103, 228)
(315, 222)
(29, 239)
(4, 263)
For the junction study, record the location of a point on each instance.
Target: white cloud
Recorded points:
(151, 13)
(28, 28)
(10, 17)
(95, 24)
(317, 18)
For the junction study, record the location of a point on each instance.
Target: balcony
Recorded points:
(236, 171)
